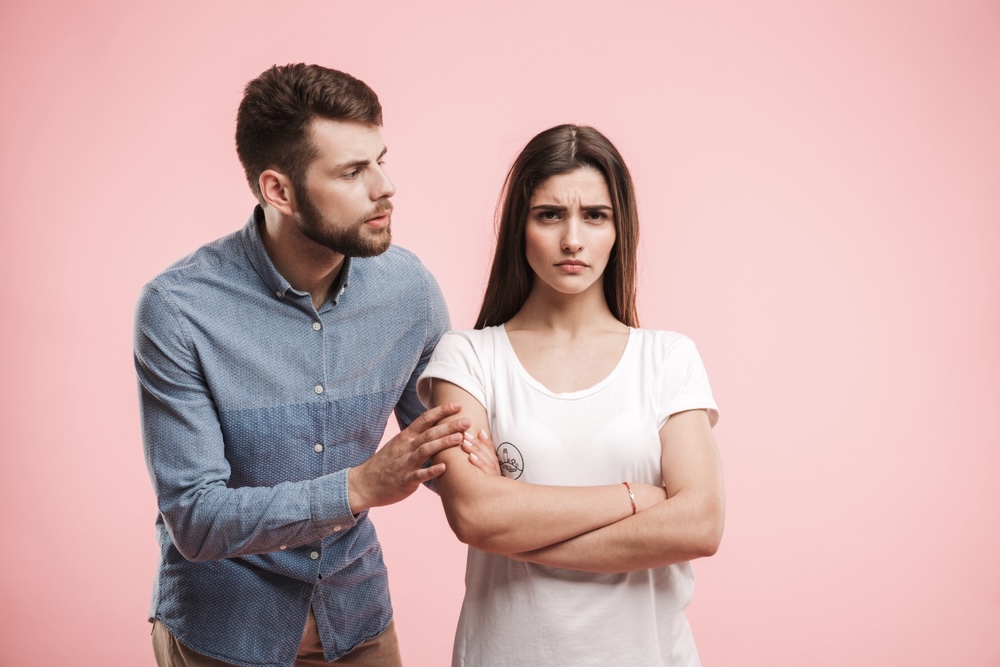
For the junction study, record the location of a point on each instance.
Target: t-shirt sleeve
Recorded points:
(685, 383)
(456, 360)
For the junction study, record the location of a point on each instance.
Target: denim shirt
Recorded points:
(253, 407)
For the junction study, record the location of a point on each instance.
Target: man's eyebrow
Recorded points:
(354, 164)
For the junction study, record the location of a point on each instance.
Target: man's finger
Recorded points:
(431, 447)
(433, 416)
(429, 473)
(441, 431)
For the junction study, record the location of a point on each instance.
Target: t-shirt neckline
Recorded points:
(566, 395)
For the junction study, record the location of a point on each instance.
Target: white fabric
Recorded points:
(526, 615)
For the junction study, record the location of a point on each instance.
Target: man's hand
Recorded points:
(396, 470)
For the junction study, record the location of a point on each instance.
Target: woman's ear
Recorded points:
(277, 191)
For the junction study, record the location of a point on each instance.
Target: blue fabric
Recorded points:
(241, 381)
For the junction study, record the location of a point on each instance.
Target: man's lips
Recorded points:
(381, 217)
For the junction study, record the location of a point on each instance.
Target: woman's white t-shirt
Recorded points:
(527, 615)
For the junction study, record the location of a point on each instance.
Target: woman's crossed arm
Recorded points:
(500, 515)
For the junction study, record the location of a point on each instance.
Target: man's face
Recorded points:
(344, 202)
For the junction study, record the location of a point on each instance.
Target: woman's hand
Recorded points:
(481, 452)
(483, 456)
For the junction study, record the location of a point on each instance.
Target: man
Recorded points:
(268, 363)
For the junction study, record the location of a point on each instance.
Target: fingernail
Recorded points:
(468, 443)
(473, 457)
(483, 435)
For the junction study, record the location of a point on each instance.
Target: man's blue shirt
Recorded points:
(253, 406)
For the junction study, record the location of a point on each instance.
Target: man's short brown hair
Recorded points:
(272, 123)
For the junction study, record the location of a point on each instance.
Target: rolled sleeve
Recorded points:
(685, 382)
(455, 360)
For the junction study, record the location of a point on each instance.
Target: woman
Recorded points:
(611, 481)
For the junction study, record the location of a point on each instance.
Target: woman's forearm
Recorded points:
(500, 515)
(685, 526)
(676, 530)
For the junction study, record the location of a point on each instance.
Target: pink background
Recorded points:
(819, 189)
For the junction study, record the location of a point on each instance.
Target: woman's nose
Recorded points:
(571, 240)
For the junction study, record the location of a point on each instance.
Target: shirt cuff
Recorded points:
(329, 504)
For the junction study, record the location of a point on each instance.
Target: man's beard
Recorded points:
(347, 240)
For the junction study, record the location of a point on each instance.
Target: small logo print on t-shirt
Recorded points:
(511, 461)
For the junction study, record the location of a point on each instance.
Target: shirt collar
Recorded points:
(275, 282)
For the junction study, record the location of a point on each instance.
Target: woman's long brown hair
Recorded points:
(560, 150)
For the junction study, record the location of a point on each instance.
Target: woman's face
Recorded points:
(570, 231)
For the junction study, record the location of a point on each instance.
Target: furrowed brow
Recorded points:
(355, 164)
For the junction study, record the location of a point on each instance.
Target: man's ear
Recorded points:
(277, 190)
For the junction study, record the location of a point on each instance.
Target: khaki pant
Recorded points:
(383, 651)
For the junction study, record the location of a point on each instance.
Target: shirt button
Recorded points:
(319, 389)
(283, 547)
(279, 294)
(336, 529)
(314, 555)
(318, 448)
(317, 326)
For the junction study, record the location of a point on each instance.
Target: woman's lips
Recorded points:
(571, 266)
